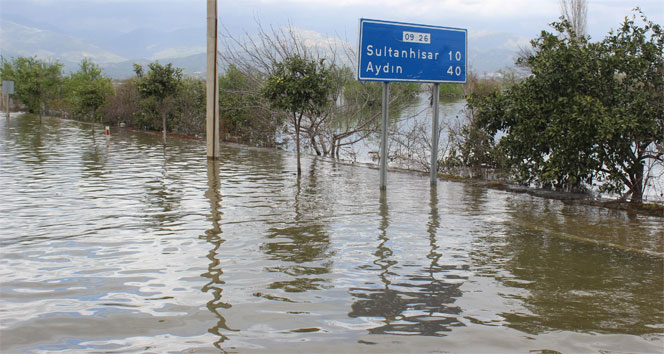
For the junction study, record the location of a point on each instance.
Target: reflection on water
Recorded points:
(422, 304)
(581, 278)
(215, 271)
(301, 245)
(117, 244)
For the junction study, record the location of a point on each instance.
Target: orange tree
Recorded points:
(590, 113)
(299, 87)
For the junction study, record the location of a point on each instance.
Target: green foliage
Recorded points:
(87, 91)
(355, 110)
(243, 108)
(590, 111)
(369, 93)
(36, 81)
(362, 103)
(364, 93)
(633, 130)
(161, 81)
(186, 108)
(157, 90)
(405, 92)
(485, 86)
(123, 104)
(148, 116)
(550, 117)
(190, 102)
(472, 146)
(451, 91)
(298, 86)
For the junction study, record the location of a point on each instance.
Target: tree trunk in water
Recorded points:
(297, 147)
(336, 146)
(163, 124)
(315, 146)
(637, 184)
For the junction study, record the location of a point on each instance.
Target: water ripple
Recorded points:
(119, 244)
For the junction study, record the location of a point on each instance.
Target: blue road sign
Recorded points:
(8, 87)
(394, 51)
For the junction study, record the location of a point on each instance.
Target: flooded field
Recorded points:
(115, 244)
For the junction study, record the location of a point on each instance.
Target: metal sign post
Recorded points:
(8, 89)
(383, 137)
(435, 135)
(406, 52)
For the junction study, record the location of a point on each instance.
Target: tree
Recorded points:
(632, 131)
(576, 13)
(160, 84)
(301, 88)
(123, 105)
(354, 113)
(549, 118)
(88, 91)
(190, 105)
(36, 81)
(590, 112)
(245, 110)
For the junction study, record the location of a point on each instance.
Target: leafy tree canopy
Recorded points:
(158, 88)
(299, 87)
(161, 81)
(35, 80)
(589, 113)
(88, 90)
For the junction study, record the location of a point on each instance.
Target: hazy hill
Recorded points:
(191, 65)
(116, 51)
(493, 51)
(153, 44)
(21, 40)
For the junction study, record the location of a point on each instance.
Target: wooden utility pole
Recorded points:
(212, 83)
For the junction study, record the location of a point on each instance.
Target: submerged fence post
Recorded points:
(383, 137)
(435, 135)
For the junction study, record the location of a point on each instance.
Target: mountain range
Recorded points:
(116, 52)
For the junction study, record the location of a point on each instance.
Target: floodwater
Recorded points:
(118, 245)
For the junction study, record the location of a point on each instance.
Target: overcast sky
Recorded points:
(332, 17)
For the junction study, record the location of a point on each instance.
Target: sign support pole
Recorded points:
(435, 135)
(8, 89)
(212, 83)
(383, 137)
